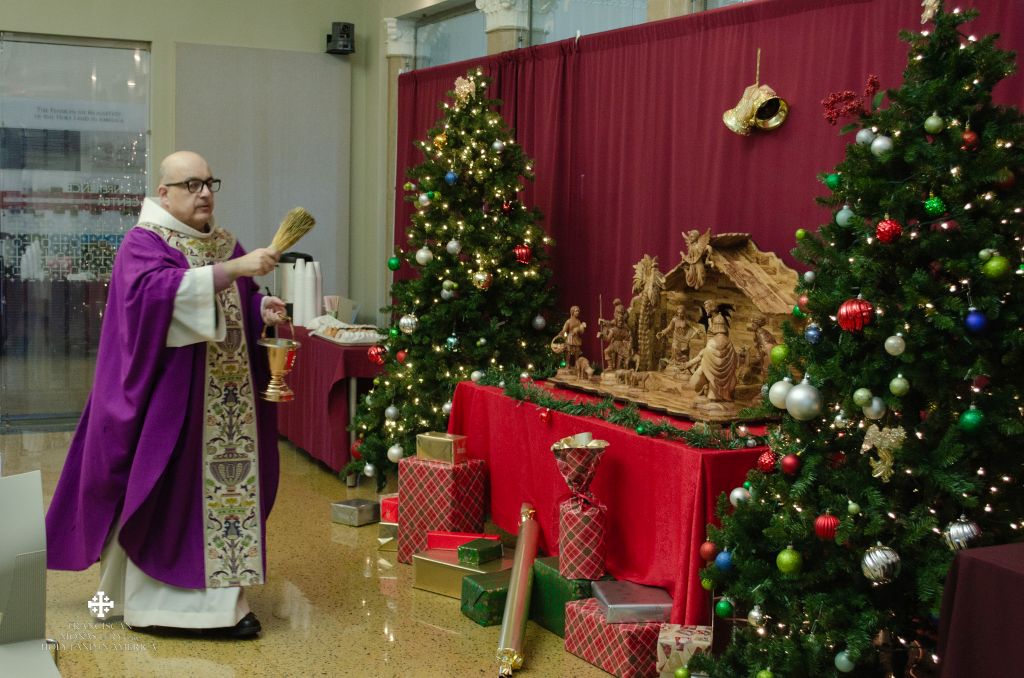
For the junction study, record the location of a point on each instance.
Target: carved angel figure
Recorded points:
(698, 246)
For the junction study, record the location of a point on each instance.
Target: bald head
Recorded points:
(192, 209)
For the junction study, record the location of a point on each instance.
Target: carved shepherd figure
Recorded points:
(717, 364)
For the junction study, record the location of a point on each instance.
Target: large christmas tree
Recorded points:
(480, 292)
(902, 433)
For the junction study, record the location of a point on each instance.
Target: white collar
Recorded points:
(154, 213)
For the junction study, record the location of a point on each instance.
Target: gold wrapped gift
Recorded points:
(387, 536)
(439, 571)
(446, 447)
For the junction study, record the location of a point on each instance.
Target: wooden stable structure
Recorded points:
(694, 341)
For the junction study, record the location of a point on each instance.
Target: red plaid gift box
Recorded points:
(625, 650)
(434, 495)
(581, 543)
(677, 644)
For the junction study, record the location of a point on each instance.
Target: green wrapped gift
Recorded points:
(479, 551)
(483, 596)
(551, 591)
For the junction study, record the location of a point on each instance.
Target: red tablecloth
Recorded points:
(317, 419)
(982, 617)
(660, 494)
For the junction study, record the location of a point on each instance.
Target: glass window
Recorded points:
(451, 38)
(554, 20)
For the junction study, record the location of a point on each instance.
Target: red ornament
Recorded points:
(970, 139)
(1005, 179)
(837, 459)
(354, 450)
(376, 354)
(790, 464)
(506, 207)
(523, 253)
(400, 356)
(825, 526)
(766, 462)
(544, 414)
(802, 302)
(888, 230)
(980, 382)
(935, 268)
(855, 314)
(708, 550)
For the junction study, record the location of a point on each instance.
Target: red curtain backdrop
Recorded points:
(625, 127)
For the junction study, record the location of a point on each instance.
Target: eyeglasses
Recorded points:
(196, 185)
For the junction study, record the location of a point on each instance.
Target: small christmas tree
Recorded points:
(480, 293)
(901, 438)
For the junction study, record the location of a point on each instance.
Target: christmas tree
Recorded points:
(902, 425)
(480, 290)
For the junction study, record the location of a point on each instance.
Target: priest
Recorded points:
(173, 468)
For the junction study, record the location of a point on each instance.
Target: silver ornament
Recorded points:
(447, 295)
(881, 145)
(476, 375)
(424, 199)
(960, 533)
(803, 401)
(498, 145)
(391, 413)
(880, 564)
(895, 345)
(524, 376)
(446, 409)
(453, 247)
(751, 442)
(843, 662)
(844, 216)
(395, 452)
(840, 421)
(777, 393)
(424, 256)
(875, 409)
(756, 617)
(539, 322)
(501, 384)
(408, 323)
(369, 470)
(739, 496)
(809, 276)
(865, 136)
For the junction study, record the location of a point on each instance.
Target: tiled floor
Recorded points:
(333, 604)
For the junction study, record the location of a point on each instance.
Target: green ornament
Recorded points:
(780, 354)
(934, 206)
(862, 396)
(394, 263)
(933, 124)
(986, 254)
(801, 233)
(724, 608)
(797, 313)
(996, 267)
(641, 429)
(409, 186)
(561, 363)
(899, 386)
(853, 508)
(434, 195)
(789, 561)
(765, 673)
(393, 332)
(707, 584)
(746, 484)
(832, 181)
(971, 420)
(682, 672)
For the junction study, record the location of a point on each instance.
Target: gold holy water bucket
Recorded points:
(281, 355)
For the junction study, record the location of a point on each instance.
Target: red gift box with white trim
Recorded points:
(626, 650)
(435, 495)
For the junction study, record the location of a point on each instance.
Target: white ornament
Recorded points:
(809, 276)
(408, 323)
(447, 295)
(803, 401)
(453, 247)
(395, 452)
(865, 136)
(844, 216)
(369, 470)
(476, 375)
(524, 376)
(423, 199)
(391, 412)
(739, 496)
(446, 409)
(895, 345)
(777, 393)
(501, 384)
(875, 409)
(498, 145)
(539, 322)
(881, 145)
(424, 256)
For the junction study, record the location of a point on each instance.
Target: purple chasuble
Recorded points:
(137, 452)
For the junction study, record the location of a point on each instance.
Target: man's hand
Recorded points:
(258, 262)
(273, 311)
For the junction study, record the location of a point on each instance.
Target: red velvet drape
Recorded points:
(626, 132)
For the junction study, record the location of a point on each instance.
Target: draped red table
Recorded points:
(982, 618)
(660, 494)
(322, 378)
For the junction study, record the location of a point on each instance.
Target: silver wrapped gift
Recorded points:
(626, 602)
(355, 512)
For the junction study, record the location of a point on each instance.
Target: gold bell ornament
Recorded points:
(759, 108)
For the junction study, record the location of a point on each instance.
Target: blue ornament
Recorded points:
(452, 342)
(450, 178)
(976, 321)
(812, 333)
(723, 561)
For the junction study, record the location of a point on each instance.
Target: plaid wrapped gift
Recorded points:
(676, 644)
(582, 518)
(625, 650)
(434, 495)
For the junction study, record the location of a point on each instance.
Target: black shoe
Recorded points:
(247, 627)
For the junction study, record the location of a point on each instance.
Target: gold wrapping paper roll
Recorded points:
(517, 604)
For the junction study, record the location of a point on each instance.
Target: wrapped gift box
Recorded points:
(355, 512)
(389, 508)
(387, 536)
(625, 650)
(484, 595)
(439, 571)
(479, 551)
(434, 495)
(446, 447)
(626, 602)
(441, 539)
(551, 591)
(676, 644)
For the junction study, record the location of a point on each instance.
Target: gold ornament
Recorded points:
(759, 107)
(464, 89)
(886, 441)
(440, 140)
(931, 7)
(482, 279)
